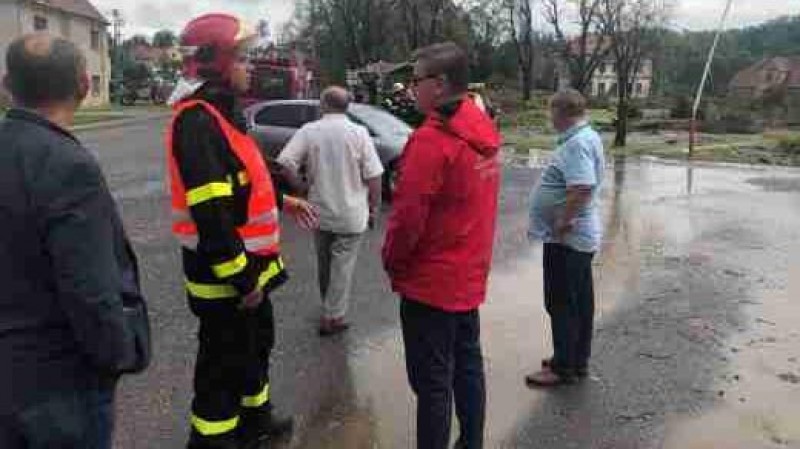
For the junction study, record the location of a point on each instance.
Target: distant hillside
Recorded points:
(680, 65)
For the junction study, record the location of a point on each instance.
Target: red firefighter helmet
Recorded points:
(211, 43)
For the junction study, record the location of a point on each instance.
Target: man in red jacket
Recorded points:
(438, 249)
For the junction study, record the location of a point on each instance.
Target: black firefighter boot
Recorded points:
(263, 424)
(228, 441)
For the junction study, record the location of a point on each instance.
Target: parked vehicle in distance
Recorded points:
(273, 123)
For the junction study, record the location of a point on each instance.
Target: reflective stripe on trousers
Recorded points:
(213, 428)
(257, 400)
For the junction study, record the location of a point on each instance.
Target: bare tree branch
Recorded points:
(583, 53)
(630, 25)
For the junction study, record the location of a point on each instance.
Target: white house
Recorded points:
(604, 79)
(76, 20)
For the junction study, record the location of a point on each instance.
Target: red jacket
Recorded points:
(440, 237)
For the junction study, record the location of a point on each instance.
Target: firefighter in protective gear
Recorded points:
(225, 216)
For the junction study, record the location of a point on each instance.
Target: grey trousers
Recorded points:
(336, 256)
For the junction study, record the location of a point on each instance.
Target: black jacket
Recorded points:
(204, 156)
(61, 249)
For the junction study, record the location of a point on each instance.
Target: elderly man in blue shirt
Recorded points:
(565, 217)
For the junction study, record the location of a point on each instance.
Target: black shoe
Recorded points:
(197, 441)
(264, 424)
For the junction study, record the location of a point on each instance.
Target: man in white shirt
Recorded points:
(343, 172)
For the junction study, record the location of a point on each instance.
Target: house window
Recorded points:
(95, 40)
(96, 85)
(66, 26)
(39, 23)
(601, 88)
(639, 89)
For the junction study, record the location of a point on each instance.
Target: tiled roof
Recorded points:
(83, 8)
(753, 76)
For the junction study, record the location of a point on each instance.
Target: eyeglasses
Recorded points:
(415, 81)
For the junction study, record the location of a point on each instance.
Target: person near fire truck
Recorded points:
(225, 216)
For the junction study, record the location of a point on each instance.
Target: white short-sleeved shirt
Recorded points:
(340, 157)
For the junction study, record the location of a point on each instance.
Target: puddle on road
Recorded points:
(652, 210)
(761, 405)
(777, 184)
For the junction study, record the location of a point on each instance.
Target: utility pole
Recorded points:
(706, 71)
(117, 22)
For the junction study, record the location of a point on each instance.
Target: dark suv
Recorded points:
(273, 123)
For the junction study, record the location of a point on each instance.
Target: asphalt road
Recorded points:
(697, 343)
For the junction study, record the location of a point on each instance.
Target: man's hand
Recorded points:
(302, 211)
(373, 219)
(578, 197)
(564, 227)
(252, 300)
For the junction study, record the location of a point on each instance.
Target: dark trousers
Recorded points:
(70, 420)
(569, 300)
(445, 365)
(231, 374)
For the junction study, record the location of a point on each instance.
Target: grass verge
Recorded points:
(765, 149)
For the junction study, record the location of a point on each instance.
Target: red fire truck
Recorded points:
(281, 74)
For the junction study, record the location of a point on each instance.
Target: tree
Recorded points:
(164, 39)
(487, 34)
(520, 19)
(631, 27)
(422, 20)
(135, 73)
(136, 41)
(348, 34)
(582, 54)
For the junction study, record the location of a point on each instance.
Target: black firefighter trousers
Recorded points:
(232, 370)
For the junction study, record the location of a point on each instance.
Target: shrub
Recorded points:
(602, 102)
(5, 100)
(682, 108)
(789, 144)
(734, 122)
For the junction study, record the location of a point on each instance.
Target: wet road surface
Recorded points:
(697, 341)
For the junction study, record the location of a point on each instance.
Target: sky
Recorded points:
(148, 16)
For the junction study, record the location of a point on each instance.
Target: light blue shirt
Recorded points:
(578, 160)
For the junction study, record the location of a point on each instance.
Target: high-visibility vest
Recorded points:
(261, 232)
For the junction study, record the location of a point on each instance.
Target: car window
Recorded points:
(313, 113)
(379, 121)
(284, 115)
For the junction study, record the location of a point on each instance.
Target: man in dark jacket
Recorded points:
(438, 249)
(62, 331)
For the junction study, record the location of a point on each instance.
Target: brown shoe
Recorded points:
(548, 379)
(547, 364)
